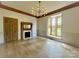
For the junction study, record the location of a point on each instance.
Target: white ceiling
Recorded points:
(27, 5)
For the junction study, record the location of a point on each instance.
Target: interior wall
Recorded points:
(71, 26)
(20, 17)
(70, 33)
(42, 26)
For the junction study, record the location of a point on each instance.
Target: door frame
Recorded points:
(4, 27)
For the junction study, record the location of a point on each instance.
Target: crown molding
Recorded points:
(15, 10)
(52, 12)
(62, 9)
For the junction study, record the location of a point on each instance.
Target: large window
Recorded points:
(55, 25)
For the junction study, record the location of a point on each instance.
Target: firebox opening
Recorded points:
(27, 34)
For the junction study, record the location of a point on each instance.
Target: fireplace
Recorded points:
(27, 34)
(26, 30)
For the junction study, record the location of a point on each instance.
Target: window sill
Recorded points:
(54, 37)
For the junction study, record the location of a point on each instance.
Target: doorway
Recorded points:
(10, 29)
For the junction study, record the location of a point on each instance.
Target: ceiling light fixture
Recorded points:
(39, 10)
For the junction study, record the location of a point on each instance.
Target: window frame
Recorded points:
(50, 33)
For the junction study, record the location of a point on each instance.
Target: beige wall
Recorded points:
(42, 26)
(20, 18)
(70, 26)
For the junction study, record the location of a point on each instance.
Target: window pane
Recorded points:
(58, 32)
(59, 20)
(53, 26)
(53, 31)
(53, 21)
(49, 26)
(59, 24)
